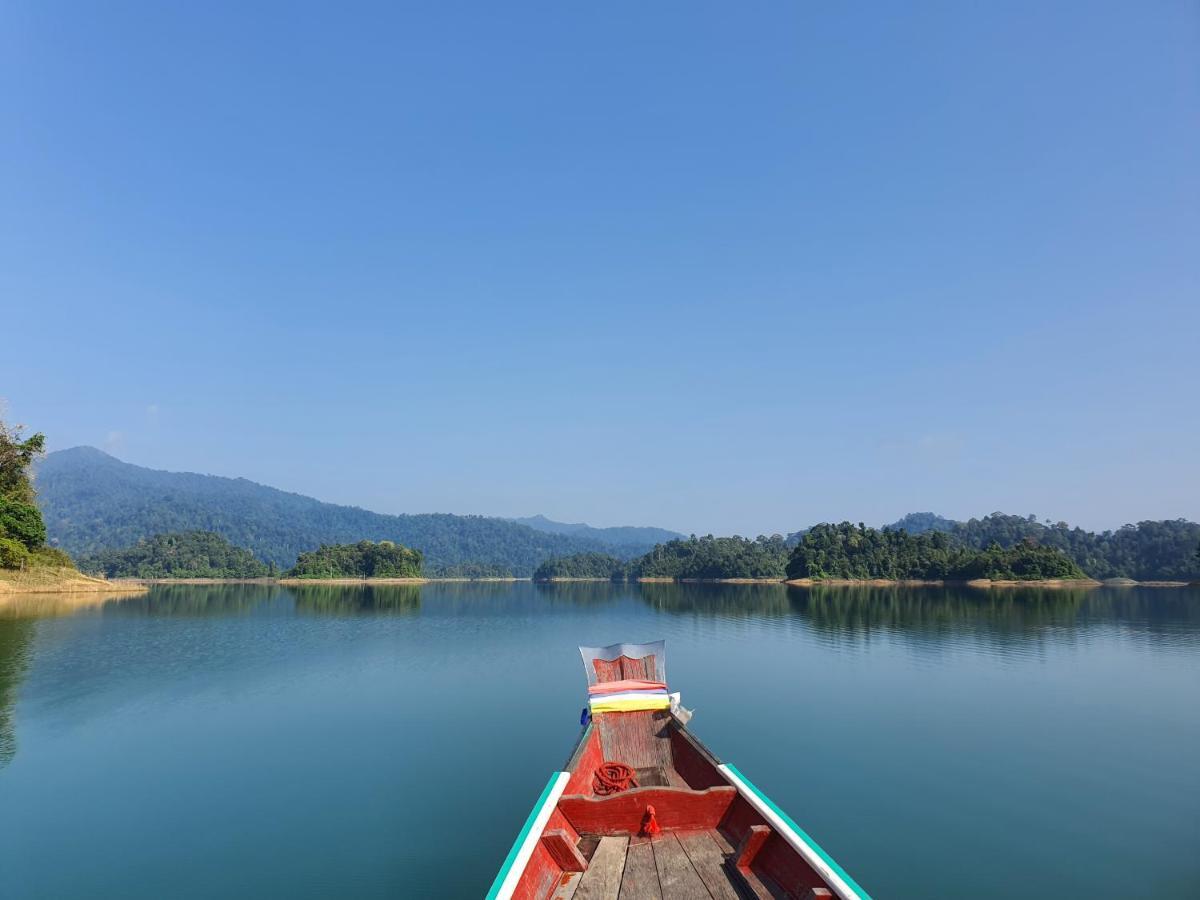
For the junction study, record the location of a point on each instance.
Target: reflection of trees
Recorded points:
(855, 608)
(717, 599)
(196, 600)
(15, 638)
(582, 593)
(342, 600)
(1155, 609)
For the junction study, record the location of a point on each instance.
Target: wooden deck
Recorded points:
(684, 865)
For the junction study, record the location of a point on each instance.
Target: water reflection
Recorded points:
(581, 593)
(16, 636)
(765, 600)
(195, 600)
(1009, 611)
(42, 606)
(346, 600)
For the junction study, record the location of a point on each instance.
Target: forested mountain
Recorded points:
(366, 559)
(921, 522)
(630, 540)
(1148, 551)
(582, 565)
(92, 501)
(849, 551)
(188, 554)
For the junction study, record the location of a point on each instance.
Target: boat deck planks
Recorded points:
(602, 880)
(567, 886)
(682, 864)
(708, 859)
(677, 878)
(641, 875)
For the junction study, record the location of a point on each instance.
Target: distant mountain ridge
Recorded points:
(93, 502)
(631, 536)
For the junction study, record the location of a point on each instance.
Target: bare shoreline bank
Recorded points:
(60, 581)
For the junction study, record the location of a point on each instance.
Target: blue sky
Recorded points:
(712, 266)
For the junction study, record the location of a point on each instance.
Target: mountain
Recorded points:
(634, 540)
(921, 522)
(93, 502)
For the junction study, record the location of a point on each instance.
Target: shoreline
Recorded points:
(972, 583)
(13, 583)
(60, 581)
(350, 581)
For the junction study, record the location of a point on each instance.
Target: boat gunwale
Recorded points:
(797, 838)
(527, 838)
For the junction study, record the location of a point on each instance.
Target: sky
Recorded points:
(717, 267)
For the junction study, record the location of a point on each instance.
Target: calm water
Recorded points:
(256, 741)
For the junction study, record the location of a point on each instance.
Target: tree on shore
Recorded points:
(22, 530)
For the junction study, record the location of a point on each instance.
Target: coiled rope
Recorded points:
(612, 778)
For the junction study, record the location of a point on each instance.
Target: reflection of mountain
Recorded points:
(718, 599)
(328, 599)
(196, 600)
(15, 637)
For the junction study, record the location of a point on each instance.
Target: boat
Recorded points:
(643, 809)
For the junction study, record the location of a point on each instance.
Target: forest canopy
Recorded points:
(1148, 551)
(366, 559)
(714, 557)
(691, 558)
(856, 552)
(187, 554)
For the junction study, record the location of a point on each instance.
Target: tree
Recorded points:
(22, 530)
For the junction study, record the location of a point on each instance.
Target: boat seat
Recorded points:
(652, 776)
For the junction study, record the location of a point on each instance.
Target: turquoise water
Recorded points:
(250, 741)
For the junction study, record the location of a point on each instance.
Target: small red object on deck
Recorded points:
(613, 777)
(650, 823)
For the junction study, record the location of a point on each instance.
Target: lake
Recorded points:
(251, 741)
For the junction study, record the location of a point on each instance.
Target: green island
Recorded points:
(849, 552)
(185, 554)
(366, 559)
(1166, 550)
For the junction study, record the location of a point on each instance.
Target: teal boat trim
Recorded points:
(522, 848)
(844, 886)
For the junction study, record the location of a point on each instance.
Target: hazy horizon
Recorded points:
(704, 267)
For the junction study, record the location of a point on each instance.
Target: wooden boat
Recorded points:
(686, 825)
